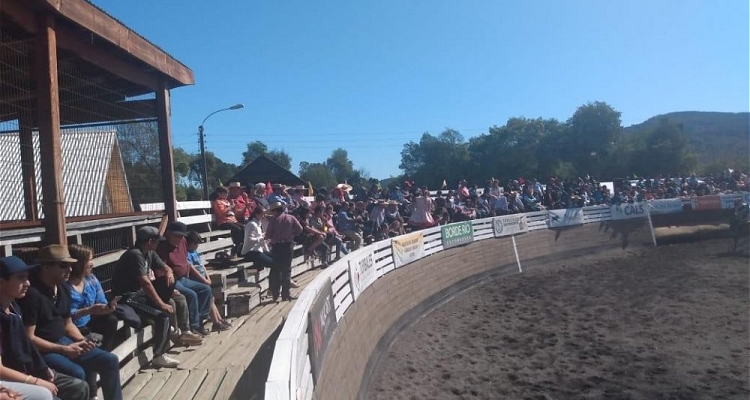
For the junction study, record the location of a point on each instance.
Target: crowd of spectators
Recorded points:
(361, 214)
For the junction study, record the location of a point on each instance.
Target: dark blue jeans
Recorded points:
(259, 259)
(104, 363)
(199, 298)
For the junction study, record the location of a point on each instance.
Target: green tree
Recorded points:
(593, 129)
(436, 158)
(257, 148)
(281, 157)
(340, 165)
(318, 174)
(218, 171)
(254, 150)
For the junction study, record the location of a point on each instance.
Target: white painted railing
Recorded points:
(290, 376)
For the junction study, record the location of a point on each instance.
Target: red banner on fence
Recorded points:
(708, 203)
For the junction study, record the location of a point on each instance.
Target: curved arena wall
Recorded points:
(408, 291)
(334, 359)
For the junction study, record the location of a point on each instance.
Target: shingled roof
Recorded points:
(265, 170)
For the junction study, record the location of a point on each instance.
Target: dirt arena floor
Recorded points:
(662, 323)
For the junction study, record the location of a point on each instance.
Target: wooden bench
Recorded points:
(237, 287)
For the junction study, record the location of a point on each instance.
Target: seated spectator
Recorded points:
(259, 195)
(463, 190)
(514, 203)
(319, 221)
(530, 203)
(193, 239)
(298, 198)
(225, 218)
(255, 248)
(483, 206)
(421, 214)
(442, 216)
(23, 369)
(347, 225)
(279, 194)
(89, 308)
(312, 239)
(393, 219)
(501, 204)
(153, 296)
(242, 204)
(46, 314)
(377, 216)
(197, 294)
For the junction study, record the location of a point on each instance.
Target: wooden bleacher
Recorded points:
(220, 368)
(238, 291)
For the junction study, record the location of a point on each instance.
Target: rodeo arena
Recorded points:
(274, 289)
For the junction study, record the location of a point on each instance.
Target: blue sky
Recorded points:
(369, 76)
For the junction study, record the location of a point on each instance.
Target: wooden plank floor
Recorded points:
(213, 370)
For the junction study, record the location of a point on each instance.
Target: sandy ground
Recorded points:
(663, 323)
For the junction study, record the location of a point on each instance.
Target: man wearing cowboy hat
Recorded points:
(279, 194)
(298, 197)
(282, 228)
(46, 314)
(242, 205)
(22, 361)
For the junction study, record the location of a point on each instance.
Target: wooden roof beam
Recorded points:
(100, 23)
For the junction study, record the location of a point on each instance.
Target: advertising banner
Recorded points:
(457, 234)
(629, 210)
(568, 217)
(703, 203)
(408, 248)
(509, 225)
(321, 325)
(362, 271)
(729, 201)
(665, 206)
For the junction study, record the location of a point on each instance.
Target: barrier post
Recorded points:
(515, 250)
(651, 225)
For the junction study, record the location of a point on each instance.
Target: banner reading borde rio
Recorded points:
(457, 234)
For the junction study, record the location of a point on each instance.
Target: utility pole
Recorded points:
(204, 170)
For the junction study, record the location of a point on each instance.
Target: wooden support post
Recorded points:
(25, 127)
(165, 151)
(53, 198)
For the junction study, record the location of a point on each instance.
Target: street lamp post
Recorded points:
(201, 136)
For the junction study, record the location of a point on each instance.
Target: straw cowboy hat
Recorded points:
(278, 186)
(345, 187)
(54, 253)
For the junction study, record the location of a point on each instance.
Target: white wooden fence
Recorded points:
(290, 375)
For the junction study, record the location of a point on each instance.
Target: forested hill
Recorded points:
(715, 136)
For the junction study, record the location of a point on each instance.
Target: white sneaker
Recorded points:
(164, 361)
(293, 284)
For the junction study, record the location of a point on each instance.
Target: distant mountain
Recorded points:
(716, 137)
